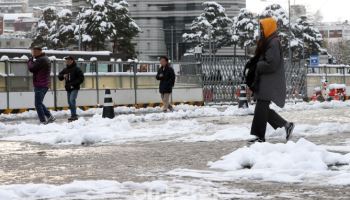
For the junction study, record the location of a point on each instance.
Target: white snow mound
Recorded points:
(302, 155)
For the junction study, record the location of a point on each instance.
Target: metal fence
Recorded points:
(219, 77)
(99, 75)
(223, 75)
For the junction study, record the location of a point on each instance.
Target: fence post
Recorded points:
(134, 64)
(305, 88)
(344, 77)
(7, 83)
(95, 64)
(54, 84)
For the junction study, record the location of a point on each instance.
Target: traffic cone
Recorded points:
(108, 106)
(243, 100)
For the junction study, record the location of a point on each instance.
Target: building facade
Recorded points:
(18, 22)
(334, 32)
(163, 22)
(13, 6)
(59, 4)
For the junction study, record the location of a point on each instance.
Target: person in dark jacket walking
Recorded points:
(39, 64)
(166, 76)
(73, 77)
(271, 83)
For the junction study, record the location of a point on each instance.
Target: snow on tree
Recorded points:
(213, 24)
(107, 21)
(62, 34)
(95, 25)
(247, 28)
(40, 34)
(308, 37)
(42, 30)
(125, 28)
(280, 15)
(234, 32)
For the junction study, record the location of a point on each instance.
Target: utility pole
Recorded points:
(290, 35)
(210, 47)
(79, 33)
(172, 43)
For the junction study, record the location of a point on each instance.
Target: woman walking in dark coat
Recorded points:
(271, 83)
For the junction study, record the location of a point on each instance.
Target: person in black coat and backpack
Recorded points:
(166, 76)
(270, 83)
(73, 77)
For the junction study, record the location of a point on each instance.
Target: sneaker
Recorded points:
(50, 120)
(289, 131)
(255, 140)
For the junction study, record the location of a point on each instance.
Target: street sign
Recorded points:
(314, 61)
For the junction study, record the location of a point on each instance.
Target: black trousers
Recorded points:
(263, 115)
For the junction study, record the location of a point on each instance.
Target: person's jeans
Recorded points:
(72, 97)
(39, 106)
(263, 114)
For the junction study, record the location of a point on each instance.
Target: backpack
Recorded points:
(249, 76)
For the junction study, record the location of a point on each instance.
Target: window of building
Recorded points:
(148, 46)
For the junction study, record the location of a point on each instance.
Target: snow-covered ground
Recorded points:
(183, 125)
(103, 189)
(323, 162)
(97, 130)
(183, 111)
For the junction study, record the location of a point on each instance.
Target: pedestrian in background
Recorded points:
(39, 64)
(166, 76)
(73, 77)
(271, 83)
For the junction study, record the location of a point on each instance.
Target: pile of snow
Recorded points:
(78, 189)
(302, 155)
(291, 162)
(337, 86)
(150, 114)
(124, 128)
(312, 106)
(98, 130)
(300, 162)
(103, 189)
(4, 58)
(188, 111)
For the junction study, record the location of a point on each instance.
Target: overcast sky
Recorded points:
(332, 10)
